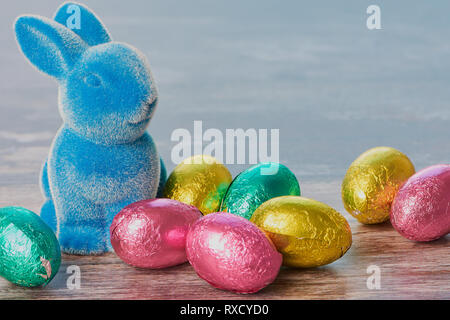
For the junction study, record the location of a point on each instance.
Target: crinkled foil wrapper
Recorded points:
(200, 181)
(421, 208)
(30, 255)
(152, 233)
(307, 232)
(251, 188)
(372, 181)
(231, 253)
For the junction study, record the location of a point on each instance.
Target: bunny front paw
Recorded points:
(83, 239)
(48, 214)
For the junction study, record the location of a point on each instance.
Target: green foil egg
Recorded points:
(256, 185)
(30, 255)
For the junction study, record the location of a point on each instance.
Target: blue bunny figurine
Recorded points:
(102, 158)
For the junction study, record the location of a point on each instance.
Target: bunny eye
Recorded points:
(93, 80)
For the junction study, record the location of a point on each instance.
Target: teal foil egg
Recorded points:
(30, 255)
(256, 185)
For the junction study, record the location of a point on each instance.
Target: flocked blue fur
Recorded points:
(162, 180)
(102, 158)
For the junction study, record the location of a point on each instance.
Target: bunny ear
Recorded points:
(49, 46)
(83, 22)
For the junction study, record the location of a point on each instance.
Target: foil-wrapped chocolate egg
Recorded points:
(231, 253)
(256, 185)
(30, 255)
(200, 181)
(307, 232)
(152, 233)
(371, 182)
(421, 208)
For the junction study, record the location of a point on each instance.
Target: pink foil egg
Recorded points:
(152, 233)
(421, 208)
(232, 253)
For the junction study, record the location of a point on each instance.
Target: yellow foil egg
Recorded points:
(372, 181)
(200, 181)
(308, 233)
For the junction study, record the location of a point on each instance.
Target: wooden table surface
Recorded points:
(408, 270)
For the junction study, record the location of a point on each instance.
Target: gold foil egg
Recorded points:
(306, 232)
(200, 181)
(372, 181)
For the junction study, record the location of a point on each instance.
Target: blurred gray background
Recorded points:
(310, 68)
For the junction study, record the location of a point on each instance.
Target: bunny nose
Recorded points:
(150, 107)
(145, 112)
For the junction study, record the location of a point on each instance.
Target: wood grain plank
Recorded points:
(409, 270)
